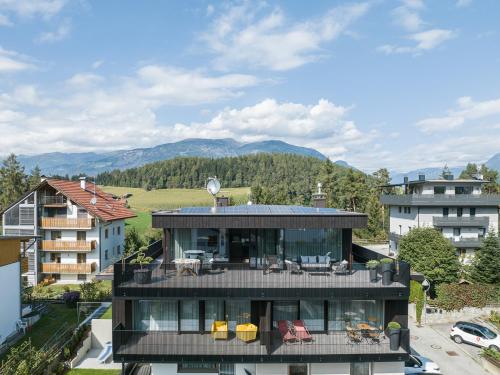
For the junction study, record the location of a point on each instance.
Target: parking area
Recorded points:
(434, 343)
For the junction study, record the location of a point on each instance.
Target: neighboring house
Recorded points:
(80, 228)
(10, 278)
(457, 208)
(190, 320)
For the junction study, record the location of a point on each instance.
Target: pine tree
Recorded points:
(13, 182)
(35, 177)
(486, 265)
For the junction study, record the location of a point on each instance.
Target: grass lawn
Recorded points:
(93, 372)
(142, 202)
(108, 314)
(43, 330)
(57, 290)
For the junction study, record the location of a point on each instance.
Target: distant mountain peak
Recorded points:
(59, 163)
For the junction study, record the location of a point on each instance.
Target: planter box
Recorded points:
(82, 352)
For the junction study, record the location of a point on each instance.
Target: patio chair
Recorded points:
(353, 337)
(272, 264)
(301, 331)
(341, 268)
(287, 335)
(293, 267)
(375, 336)
(219, 330)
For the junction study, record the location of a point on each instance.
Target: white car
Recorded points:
(420, 365)
(474, 334)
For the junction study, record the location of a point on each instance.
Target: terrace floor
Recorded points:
(172, 344)
(225, 277)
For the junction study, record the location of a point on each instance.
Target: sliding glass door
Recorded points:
(238, 312)
(152, 315)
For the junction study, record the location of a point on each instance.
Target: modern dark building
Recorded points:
(259, 289)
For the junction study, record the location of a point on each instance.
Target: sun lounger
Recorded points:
(286, 333)
(301, 331)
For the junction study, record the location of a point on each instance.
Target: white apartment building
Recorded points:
(457, 208)
(81, 229)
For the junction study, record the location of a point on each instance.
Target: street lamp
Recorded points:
(425, 286)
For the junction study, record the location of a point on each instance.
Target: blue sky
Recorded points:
(396, 84)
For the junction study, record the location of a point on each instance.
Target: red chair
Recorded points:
(301, 331)
(286, 334)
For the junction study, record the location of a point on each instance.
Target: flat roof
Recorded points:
(258, 216)
(439, 181)
(259, 210)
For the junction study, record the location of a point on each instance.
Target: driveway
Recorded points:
(434, 343)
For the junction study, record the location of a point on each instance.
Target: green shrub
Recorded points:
(393, 325)
(457, 296)
(371, 264)
(490, 353)
(494, 318)
(66, 353)
(386, 260)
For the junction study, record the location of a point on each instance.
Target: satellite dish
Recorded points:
(213, 186)
(93, 201)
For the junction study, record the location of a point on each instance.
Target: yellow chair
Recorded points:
(219, 330)
(246, 332)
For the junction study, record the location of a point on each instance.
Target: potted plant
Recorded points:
(372, 266)
(142, 275)
(386, 264)
(394, 330)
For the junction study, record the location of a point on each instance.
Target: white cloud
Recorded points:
(250, 34)
(32, 8)
(11, 61)
(407, 15)
(463, 3)
(97, 64)
(84, 79)
(467, 110)
(5, 21)
(425, 41)
(61, 33)
(171, 85)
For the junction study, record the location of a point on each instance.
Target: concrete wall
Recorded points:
(10, 309)
(442, 316)
(378, 368)
(101, 332)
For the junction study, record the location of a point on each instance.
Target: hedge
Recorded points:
(457, 296)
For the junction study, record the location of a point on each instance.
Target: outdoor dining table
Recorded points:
(187, 266)
(365, 327)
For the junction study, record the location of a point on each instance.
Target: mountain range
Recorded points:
(91, 163)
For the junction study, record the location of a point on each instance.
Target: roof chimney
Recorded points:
(83, 182)
(319, 198)
(222, 201)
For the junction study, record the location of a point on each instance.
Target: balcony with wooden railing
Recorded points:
(73, 268)
(67, 223)
(60, 245)
(53, 201)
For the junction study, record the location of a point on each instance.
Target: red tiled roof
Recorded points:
(106, 208)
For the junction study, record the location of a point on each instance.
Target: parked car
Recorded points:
(474, 334)
(420, 365)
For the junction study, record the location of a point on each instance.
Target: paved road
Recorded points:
(433, 342)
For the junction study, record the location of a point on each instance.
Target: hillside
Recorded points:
(91, 163)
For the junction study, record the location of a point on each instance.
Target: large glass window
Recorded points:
(313, 314)
(285, 310)
(463, 189)
(214, 310)
(207, 240)
(190, 316)
(313, 242)
(238, 312)
(190, 367)
(360, 368)
(155, 315)
(12, 216)
(343, 313)
(181, 242)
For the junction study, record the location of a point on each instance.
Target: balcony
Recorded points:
(440, 199)
(329, 346)
(239, 281)
(468, 221)
(53, 201)
(75, 268)
(464, 242)
(67, 223)
(66, 246)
